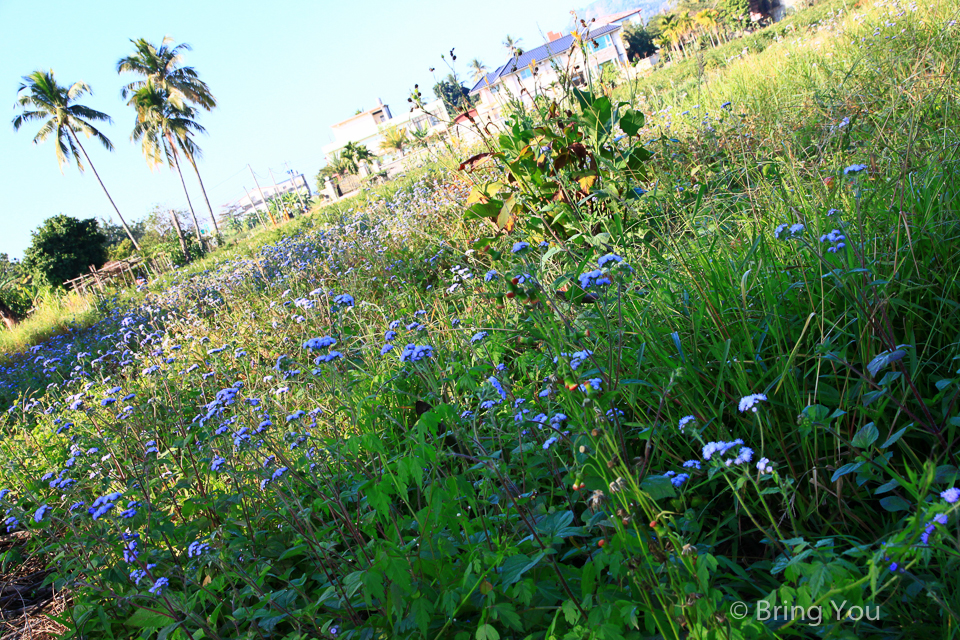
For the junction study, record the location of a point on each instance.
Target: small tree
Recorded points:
(63, 248)
(639, 42)
(394, 139)
(455, 96)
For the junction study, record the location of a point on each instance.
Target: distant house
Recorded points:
(622, 19)
(534, 72)
(366, 128)
(251, 200)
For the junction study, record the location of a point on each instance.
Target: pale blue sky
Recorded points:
(282, 72)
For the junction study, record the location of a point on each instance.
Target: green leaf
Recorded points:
(894, 503)
(894, 437)
(884, 359)
(888, 486)
(631, 122)
(588, 579)
(515, 566)
(506, 612)
(845, 469)
(818, 577)
(866, 436)
(487, 632)
(570, 612)
(146, 619)
(658, 487)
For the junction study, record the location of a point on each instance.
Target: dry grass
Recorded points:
(54, 316)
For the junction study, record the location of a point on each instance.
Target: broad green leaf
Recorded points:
(515, 566)
(845, 469)
(866, 436)
(148, 619)
(658, 487)
(894, 503)
(631, 122)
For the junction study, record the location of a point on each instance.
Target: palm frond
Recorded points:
(80, 111)
(78, 89)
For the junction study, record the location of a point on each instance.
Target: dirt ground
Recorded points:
(25, 604)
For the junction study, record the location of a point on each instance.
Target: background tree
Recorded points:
(735, 14)
(512, 45)
(394, 139)
(420, 139)
(639, 42)
(41, 98)
(119, 245)
(455, 96)
(14, 304)
(62, 248)
(162, 67)
(478, 69)
(337, 165)
(352, 154)
(709, 21)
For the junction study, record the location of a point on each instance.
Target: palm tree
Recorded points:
(41, 98)
(162, 66)
(354, 153)
(512, 45)
(164, 130)
(339, 164)
(478, 68)
(684, 25)
(394, 139)
(709, 19)
(421, 138)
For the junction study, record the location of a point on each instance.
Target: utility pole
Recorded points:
(255, 210)
(264, 200)
(276, 191)
(293, 175)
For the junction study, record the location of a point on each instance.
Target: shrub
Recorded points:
(63, 248)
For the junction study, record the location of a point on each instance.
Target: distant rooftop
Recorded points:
(540, 54)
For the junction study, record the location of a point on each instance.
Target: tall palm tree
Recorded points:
(478, 68)
(164, 131)
(709, 20)
(511, 44)
(163, 67)
(41, 98)
(684, 26)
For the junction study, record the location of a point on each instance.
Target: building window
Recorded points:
(601, 43)
(495, 88)
(525, 73)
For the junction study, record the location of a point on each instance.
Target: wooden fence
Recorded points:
(127, 270)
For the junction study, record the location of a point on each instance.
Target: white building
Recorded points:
(367, 128)
(534, 72)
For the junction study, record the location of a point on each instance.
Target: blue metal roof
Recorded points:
(540, 54)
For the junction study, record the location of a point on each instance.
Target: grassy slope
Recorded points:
(398, 512)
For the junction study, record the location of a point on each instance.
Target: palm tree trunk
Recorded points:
(94, 169)
(196, 223)
(213, 218)
(183, 241)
